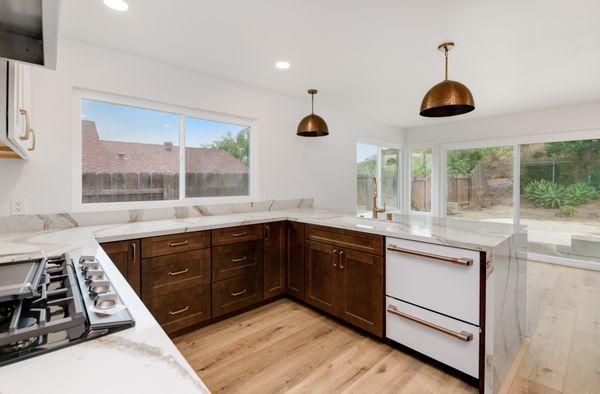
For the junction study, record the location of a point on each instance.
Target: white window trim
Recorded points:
(379, 144)
(435, 178)
(78, 206)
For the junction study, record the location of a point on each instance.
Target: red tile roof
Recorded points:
(117, 156)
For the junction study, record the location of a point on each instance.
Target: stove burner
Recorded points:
(24, 343)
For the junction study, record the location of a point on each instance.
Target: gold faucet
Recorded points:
(376, 210)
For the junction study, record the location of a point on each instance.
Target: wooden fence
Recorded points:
(364, 190)
(145, 186)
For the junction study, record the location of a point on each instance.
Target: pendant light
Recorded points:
(312, 125)
(447, 98)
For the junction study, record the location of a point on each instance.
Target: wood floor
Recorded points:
(286, 347)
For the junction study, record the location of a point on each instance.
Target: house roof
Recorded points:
(118, 156)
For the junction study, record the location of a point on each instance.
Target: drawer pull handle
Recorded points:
(463, 335)
(240, 259)
(341, 256)
(133, 257)
(179, 272)
(235, 235)
(238, 293)
(174, 244)
(267, 232)
(333, 252)
(179, 311)
(454, 260)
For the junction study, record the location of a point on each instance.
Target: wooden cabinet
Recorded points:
(17, 138)
(126, 256)
(295, 260)
(169, 244)
(274, 259)
(233, 260)
(232, 235)
(232, 294)
(345, 282)
(362, 242)
(182, 308)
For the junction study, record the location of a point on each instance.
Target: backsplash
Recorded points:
(77, 219)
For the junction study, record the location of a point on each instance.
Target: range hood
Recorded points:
(29, 31)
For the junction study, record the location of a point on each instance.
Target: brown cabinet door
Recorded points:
(322, 276)
(233, 260)
(295, 260)
(361, 300)
(232, 294)
(126, 256)
(274, 259)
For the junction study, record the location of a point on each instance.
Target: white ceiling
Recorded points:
(374, 57)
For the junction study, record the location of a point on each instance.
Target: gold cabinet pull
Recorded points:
(238, 293)
(132, 253)
(463, 335)
(235, 235)
(267, 232)
(341, 256)
(333, 252)
(179, 311)
(240, 259)
(454, 260)
(28, 130)
(179, 272)
(174, 244)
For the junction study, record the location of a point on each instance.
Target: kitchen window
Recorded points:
(421, 165)
(383, 163)
(133, 153)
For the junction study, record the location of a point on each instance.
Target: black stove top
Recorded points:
(58, 314)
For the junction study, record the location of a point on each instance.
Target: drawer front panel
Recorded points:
(191, 305)
(232, 294)
(439, 337)
(362, 242)
(224, 236)
(165, 274)
(447, 287)
(169, 244)
(236, 259)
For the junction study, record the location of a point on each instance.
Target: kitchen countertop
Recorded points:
(143, 358)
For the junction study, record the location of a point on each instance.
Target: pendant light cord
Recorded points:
(312, 103)
(446, 56)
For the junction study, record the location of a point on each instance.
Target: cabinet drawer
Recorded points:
(232, 294)
(439, 278)
(182, 308)
(236, 259)
(362, 242)
(165, 274)
(224, 236)
(169, 244)
(450, 341)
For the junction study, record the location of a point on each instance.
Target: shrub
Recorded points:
(579, 193)
(567, 210)
(545, 194)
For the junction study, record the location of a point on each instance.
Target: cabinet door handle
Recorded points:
(341, 256)
(454, 260)
(133, 253)
(333, 252)
(28, 130)
(463, 335)
(240, 259)
(267, 232)
(174, 244)
(179, 311)
(238, 293)
(179, 272)
(235, 235)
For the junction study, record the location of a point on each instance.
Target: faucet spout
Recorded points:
(376, 209)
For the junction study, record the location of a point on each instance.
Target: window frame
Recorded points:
(182, 112)
(435, 177)
(382, 145)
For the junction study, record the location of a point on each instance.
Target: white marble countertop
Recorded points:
(482, 236)
(141, 359)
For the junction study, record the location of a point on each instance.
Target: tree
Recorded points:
(238, 146)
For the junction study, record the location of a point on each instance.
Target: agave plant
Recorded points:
(545, 194)
(579, 193)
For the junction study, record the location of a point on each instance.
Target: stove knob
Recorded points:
(92, 274)
(106, 300)
(89, 265)
(99, 286)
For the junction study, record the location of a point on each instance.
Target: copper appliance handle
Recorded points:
(462, 336)
(454, 260)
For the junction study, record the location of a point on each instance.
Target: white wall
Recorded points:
(580, 117)
(290, 166)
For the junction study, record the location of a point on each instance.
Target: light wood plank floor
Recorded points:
(286, 347)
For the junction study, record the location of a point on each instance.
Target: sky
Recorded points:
(364, 151)
(117, 122)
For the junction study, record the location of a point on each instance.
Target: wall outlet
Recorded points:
(18, 207)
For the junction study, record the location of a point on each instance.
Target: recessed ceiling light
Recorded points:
(282, 65)
(118, 5)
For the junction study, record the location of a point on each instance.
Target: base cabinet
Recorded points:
(126, 256)
(322, 277)
(274, 259)
(294, 269)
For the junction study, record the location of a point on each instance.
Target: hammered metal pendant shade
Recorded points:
(312, 125)
(447, 98)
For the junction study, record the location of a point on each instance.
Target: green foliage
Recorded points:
(419, 163)
(414, 205)
(545, 194)
(579, 193)
(238, 146)
(548, 194)
(567, 210)
(462, 161)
